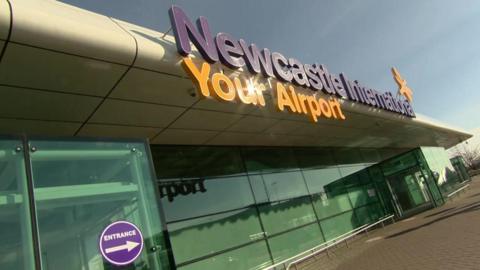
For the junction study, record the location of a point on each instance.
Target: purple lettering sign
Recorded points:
(121, 243)
(236, 54)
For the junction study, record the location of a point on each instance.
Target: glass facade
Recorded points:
(225, 203)
(79, 187)
(206, 207)
(458, 164)
(16, 246)
(448, 179)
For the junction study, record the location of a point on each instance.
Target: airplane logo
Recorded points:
(403, 89)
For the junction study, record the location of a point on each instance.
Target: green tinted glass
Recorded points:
(370, 155)
(347, 156)
(80, 188)
(217, 195)
(362, 195)
(310, 158)
(319, 178)
(199, 237)
(259, 189)
(399, 163)
(266, 160)
(289, 244)
(251, 257)
(446, 177)
(195, 161)
(369, 214)
(338, 225)
(284, 215)
(328, 206)
(350, 170)
(282, 186)
(16, 247)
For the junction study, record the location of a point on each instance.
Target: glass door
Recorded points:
(409, 191)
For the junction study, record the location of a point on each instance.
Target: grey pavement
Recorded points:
(447, 237)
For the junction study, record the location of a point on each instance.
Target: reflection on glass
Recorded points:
(284, 215)
(459, 165)
(319, 178)
(80, 188)
(202, 236)
(370, 155)
(282, 186)
(338, 225)
(328, 205)
(362, 195)
(221, 194)
(293, 198)
(399, 163)
(196, 162)
(16, 247)
(347, 156)
(253, 257)
(447, 177)
(289, 244)
(268, 160)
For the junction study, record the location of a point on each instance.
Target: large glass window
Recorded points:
(279, 171)
(225, 207)
(269, 160)
(331, 204)
(220, 216)
(195, 238)
(282, 186)
(443, 171)
(80, 188)
(210, 197)
(252, 257)
(317, 179)
(266, 203)
(194, 161)
(286, 245)
(281, 216)
(399, 163)
(338, 225)
(210, 207)
(16, 247)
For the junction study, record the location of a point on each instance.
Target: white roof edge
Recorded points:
(116, 45)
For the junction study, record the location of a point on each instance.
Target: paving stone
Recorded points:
(447, 237)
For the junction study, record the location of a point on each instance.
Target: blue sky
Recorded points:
(434, 44)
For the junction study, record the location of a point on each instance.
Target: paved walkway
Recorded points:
(447, 237)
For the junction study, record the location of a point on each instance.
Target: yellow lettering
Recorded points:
(243, 95)
(335, 106)
(217, 80)
(223, 88)
(199, 77)
(301, 99)
(283, 99)
(259, 90)
(314, 108)
(325, 107)
(294, 98)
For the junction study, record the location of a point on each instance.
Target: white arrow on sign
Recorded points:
(128, 246)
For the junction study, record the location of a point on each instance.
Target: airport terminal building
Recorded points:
(127, 148)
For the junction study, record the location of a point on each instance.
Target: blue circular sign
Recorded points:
(121, 243)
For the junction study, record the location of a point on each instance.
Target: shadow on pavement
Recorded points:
(465, 209)
(474, 195)
(440, 212)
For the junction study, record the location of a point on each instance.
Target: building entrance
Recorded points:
(409, 192)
